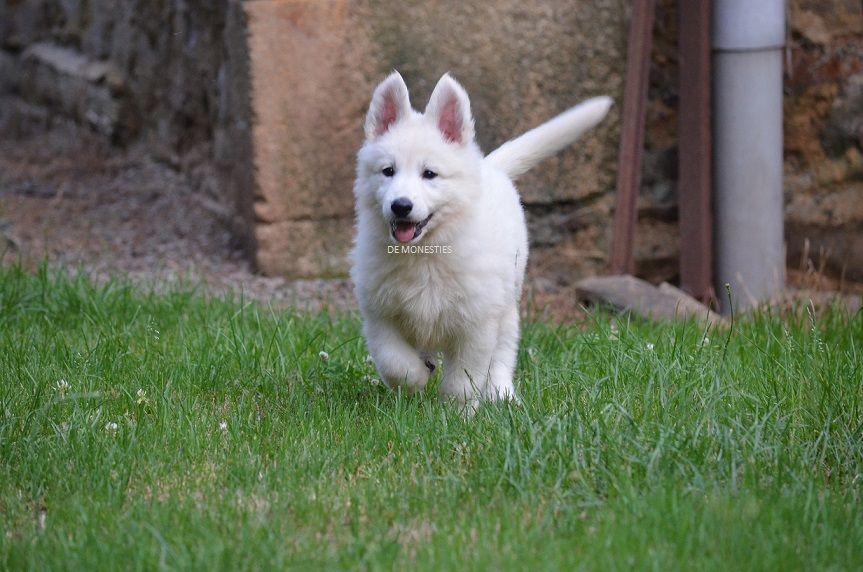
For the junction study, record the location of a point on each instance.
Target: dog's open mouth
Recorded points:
(407, 230)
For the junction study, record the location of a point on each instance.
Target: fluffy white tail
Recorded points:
(519, 155)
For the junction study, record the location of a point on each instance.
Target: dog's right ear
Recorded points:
(390, 104)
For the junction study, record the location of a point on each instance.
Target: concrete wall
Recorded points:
(270, 94)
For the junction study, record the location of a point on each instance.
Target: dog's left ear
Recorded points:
(449, 109)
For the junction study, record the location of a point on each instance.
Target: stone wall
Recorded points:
(824, 137)
(163, 60)
(265, 99)
(143, 72)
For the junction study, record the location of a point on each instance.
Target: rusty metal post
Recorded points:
(694, 150)
(632, 135)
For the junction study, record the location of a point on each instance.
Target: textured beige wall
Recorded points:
(314, 65)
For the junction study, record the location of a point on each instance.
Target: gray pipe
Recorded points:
(748, 36)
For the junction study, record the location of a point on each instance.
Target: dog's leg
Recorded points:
(467, 368)
(399, 364)
(501, 384)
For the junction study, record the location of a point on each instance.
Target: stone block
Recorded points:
(313, 66)
(305, 247)
(627, 293)
(75, 85)
(827, 229)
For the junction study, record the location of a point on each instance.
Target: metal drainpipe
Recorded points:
(748, 37)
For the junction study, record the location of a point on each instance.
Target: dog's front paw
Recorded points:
(467, 405)
(409, 377)
(504, 393)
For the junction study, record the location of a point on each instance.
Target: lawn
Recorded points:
(147, 431)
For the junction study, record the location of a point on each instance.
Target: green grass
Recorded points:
(638, 446)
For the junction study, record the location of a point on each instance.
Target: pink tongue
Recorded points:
(405, 231)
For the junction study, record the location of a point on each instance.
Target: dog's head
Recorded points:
(418, 172)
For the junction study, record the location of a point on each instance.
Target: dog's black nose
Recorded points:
(402, 207)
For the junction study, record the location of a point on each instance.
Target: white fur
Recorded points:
(463, 301)
(519, 155)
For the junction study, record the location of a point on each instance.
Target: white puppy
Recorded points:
(441, 243)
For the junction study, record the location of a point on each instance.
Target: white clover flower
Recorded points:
(372, 379)
(323, 355)
(649, 346)
(141, 397)
(706, 341)
(111, 427)
(62, 387)
(223, 425)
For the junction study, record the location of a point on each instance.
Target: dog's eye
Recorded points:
(429, 174)
(388, 171)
